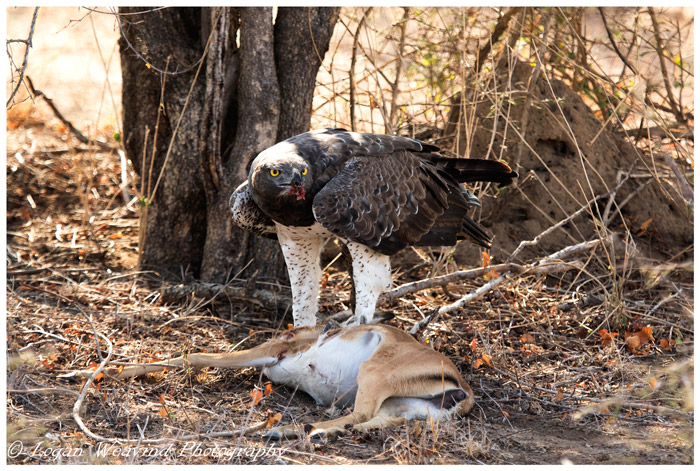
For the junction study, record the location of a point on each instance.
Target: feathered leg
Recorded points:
(302, 252)
(371, 272)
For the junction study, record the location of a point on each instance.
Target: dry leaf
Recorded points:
(645, 334)
(485, 259)
(268, 389)
(607, 338)
(560, 395)
(472, 345)
(652, 382)
(256, 396)
(487, 360)
(636, 340)
(272, 419)
(477, 363)
(644, 227)
(527, 338)
(163, 411)
(633, 343)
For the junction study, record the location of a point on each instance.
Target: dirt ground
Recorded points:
(555, 379)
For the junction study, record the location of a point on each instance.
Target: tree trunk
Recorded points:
(172, 226)
(246, 98)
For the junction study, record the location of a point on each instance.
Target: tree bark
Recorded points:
(228, 247)
(302, 37)
(248, 97)
(173, 219)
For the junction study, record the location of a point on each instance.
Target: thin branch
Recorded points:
(23, 69)
(686, 190)
(79, 135)
(399, 69)
(585, 207)
(614, 44)
(677, 111)
(534, 78)
(138, 54)
(353, 61)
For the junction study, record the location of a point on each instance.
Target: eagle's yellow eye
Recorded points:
(305, 171)
(274, 172)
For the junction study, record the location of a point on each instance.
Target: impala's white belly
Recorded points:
(328, 370)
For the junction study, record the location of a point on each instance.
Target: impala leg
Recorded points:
(379, 421)
(372, 391)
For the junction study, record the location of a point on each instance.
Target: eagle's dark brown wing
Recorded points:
(329, 150)
(389, 201)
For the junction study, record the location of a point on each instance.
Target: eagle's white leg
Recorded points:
(372, 275)
(301, 247)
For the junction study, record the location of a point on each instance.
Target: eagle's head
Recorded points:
(281, 176)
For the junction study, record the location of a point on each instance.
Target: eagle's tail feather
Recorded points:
(475, 232)
(477, 170)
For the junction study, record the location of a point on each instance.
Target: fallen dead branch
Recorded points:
(140, 441)
(542, 266)
(259, 297)
(79, 135)
(461, 302)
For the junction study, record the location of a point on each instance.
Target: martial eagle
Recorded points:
(376, 193)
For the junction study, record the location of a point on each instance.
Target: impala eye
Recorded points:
(305, 171)
(274, 172)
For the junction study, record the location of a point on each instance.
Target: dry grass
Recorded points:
(548, 382)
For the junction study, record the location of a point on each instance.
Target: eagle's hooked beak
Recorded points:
(295, 186)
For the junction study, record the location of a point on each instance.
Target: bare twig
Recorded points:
(23, 69)
(353, 60)
(613, 43)
(534, 78)
(532, 270)
(86, 387)
(399, 69)
(121, 17)
(677, 111)
(685, 188)
(80, 136)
